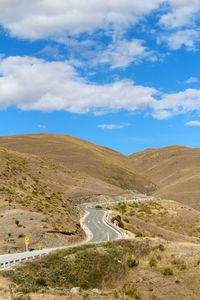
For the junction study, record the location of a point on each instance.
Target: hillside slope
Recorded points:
(91, 169)
(175, 170)
(42, 181)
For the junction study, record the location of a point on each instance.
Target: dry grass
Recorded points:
(176, 170)
(168, 272)
(163, 218)
(95, 169)
(33, 202)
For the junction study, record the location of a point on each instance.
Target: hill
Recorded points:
(43, 179)
(92, 169)
(175, 170)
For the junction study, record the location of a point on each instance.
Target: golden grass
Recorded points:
(175, 170)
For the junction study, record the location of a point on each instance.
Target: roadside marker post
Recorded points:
(26, 242)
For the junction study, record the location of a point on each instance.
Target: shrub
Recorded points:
(126, 220)
(138, 233)
(41, 281)
(98, 207)
(17, 222)
(132, 262)
(21, 235)
(161, 247)
(167, 271)
(152, 262)
(180, 264)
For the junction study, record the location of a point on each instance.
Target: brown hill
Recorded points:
(89, 169)
(42, 180)
(175, 170)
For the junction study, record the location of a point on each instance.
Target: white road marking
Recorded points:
(103, 233)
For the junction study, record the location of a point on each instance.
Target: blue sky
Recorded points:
(117, 73)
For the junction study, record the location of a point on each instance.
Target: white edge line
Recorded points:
(87, 231)
(106, 222)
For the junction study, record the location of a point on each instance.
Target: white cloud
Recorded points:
(193, 123)
(63, 21)
(187, 38)
(31, 83)
(192, 80)
(114, 126)
(181, 13)
(44, 18)
(50, 51)
(41, 126)
(34, 84)
(122, 53)
(177, 103)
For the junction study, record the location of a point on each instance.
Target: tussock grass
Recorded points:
(90, 266)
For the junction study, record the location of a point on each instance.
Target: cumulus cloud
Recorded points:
(44, 18)
(187, 38)
(31, 83)
(193, 123)
(177, 103)
(34, 84)
(122, 53)
(49, 18)
(114, 126)
(50, 51)
(181, 13)
(192, 80)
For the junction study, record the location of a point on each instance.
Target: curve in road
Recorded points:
(97, 228)
(94, 223)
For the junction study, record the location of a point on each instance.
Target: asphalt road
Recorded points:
(96, 226)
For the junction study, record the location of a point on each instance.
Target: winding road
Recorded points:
(96, 226)
(94, 223)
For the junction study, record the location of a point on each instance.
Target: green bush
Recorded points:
(167, 271)
(132, 262)
(41, 281)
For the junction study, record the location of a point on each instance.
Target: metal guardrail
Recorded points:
(10, 260)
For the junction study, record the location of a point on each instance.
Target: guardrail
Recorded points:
(114, 227)
(9, 260)
(135, 199)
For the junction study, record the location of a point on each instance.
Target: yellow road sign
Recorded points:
(81, 213)
(26, 240)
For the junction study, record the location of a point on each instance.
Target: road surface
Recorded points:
(97, 228)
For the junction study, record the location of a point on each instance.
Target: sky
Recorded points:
(122, 74)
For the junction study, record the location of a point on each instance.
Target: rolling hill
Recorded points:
(175, 170)
(43, 179)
